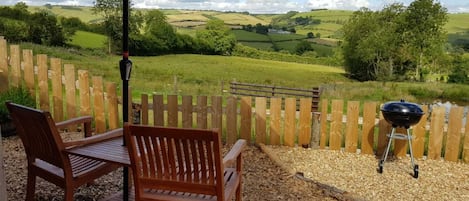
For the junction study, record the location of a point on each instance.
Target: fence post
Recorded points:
(316, 131)
(3, 184)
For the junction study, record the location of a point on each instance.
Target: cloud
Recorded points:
(338, 4)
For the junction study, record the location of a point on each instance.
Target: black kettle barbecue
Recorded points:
(401, 114)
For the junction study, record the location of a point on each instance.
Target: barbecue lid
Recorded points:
(402, 107)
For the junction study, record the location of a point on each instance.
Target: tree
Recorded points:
(382, 45)
(111, 11)
(302, 47)
(217, 37)
(423, 22)
(460, 70)
(310, 35)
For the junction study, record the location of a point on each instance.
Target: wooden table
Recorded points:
(112, 151)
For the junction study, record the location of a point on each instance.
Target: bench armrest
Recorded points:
(95, 138)
(233, 155)
(85, 120)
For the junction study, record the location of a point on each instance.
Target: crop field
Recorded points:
(238, 18)
(286, 37)
(242, 35)
(179, 17)
(327, 15)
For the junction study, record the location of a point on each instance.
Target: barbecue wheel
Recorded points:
(380, 166)
(416, 171)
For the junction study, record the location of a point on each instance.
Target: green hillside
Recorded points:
(331, 20)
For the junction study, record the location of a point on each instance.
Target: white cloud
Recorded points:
(338, 4)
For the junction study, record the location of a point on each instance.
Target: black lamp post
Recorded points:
(125, 66)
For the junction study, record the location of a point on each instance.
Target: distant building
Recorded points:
(276, 31)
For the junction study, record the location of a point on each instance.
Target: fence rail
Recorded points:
(68, 92)
(270, 91)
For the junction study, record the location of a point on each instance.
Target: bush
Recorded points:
(18, 95)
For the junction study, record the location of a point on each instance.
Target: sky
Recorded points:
(254, 6)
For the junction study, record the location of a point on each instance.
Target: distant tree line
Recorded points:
(396, 43)
(18, 24)
(151, 34)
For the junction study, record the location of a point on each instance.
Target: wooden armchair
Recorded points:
(45, 150)
(183, 164)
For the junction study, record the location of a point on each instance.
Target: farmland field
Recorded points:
(458, 23)
(259, 45)
(242, 35)
(88, 40)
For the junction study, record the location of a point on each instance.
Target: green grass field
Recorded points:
(88, 40)
(242, 35)
(458, 23)
(204, 75)
(286, 37)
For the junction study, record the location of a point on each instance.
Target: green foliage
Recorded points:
(17, 95)
(460, 71)
(217, 37)
(41, 27)
(302, 47)
(384, 45)
(14, 30)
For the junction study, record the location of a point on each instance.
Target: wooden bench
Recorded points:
(183, 164)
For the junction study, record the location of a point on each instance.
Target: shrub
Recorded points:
(18, 95)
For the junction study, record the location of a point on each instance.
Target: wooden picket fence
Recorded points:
(68, 92)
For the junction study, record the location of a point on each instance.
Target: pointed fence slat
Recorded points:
(70, 92)
(43, 82)
(57, 98)
(85, 101)
(336, 125)
(158, 110)
(290, 122)
(231, 120)
(418, 134)
(368, 129)
(28, 71)
(202, 112)
(454, 133)
(113, 106)
(384, 130)
(217, 112)
(304, 134)
(465, 153)
(4, 73)
(246, 118)
(15, 63)
(187, 111)
(144, 110)
(351, 129)
(98, 104)
(261, 121)
(436, 132)
(323, 141)
(172, 111)
(275, 120)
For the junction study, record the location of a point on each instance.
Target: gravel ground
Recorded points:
(263, 180)
(356, 173)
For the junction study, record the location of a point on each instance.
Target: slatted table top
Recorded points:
(111, 151)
